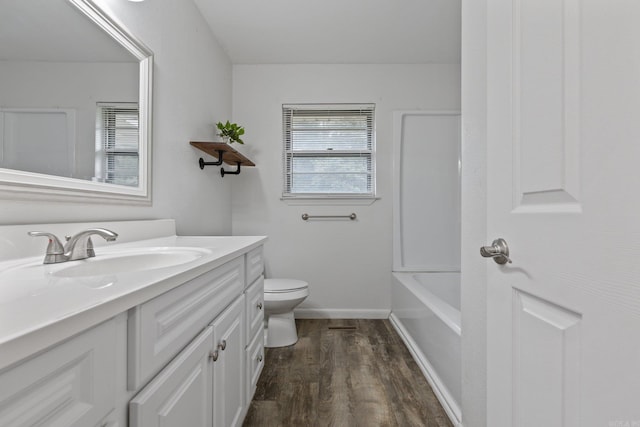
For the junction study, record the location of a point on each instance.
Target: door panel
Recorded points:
(563, 189)
(546, 103)
(546, 351)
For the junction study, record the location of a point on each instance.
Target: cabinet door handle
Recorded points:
(222, 345)
(213, 355)
(259, 306)
(259, 358)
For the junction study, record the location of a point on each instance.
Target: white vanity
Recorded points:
(157, 329)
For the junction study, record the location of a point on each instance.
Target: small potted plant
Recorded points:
(230, 132)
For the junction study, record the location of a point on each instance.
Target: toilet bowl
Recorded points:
(281, 296)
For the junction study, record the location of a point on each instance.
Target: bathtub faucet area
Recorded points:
(78, 246)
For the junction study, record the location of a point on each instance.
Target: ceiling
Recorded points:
(54, 30)
(336, 31)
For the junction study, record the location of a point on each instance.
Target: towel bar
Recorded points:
(306, 216)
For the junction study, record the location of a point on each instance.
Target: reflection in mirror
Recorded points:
(74, 102)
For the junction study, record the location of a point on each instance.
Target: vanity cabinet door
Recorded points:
(69, 385)
(229, 368)
(181, 394)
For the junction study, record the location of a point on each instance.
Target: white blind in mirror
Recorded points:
(117, 142)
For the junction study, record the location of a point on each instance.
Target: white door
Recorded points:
(563, 189)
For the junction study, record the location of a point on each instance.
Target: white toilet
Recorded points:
(281, 296)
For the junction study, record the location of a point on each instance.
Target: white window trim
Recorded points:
(310, 199)
(330, 201)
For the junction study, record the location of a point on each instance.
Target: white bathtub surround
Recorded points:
(426, 196)
(425, 293)
(426, 314)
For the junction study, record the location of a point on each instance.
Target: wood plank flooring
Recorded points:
(344, 373)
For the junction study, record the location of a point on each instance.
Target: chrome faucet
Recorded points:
(80, 246)
(77, 247)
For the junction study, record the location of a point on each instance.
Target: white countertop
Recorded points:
(38, 308)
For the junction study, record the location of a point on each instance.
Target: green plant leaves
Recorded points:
(231, 130)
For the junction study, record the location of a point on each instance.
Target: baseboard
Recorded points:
(340, 313)
(447, 402)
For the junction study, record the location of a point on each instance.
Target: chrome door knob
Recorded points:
(499, 251)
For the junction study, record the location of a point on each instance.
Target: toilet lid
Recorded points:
(284, 285)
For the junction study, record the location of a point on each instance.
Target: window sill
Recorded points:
(329, 201)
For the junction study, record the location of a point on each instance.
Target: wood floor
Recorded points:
(344, 373)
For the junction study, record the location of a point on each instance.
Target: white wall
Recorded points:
(75, 85)
(192, 91)
(347, 263)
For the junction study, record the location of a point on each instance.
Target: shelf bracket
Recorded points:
(235, 172)
(218, 163)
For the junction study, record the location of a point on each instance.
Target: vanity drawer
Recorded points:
(71, 384)
(255, 308)
(255, 264)
(255, 363)
(161, 327)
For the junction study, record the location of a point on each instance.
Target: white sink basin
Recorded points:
(107, 262)
(130, 261)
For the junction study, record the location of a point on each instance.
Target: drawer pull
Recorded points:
(213, 355)
(259, 306)
(222, 345)
(259, 358)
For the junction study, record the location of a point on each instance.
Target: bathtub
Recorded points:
(425, 310)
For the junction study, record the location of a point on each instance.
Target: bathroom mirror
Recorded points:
(75, 104)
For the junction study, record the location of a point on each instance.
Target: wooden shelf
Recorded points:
(229, 155)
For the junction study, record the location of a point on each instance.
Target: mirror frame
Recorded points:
(16, 185)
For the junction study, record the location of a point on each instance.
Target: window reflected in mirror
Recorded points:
(117, 153)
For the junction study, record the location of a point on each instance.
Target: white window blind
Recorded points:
(117, 157)
(328, 150)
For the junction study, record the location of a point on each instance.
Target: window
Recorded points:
(328, 150)
(117, 158)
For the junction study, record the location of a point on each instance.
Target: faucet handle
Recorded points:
(55, 250)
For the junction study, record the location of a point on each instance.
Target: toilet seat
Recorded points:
(284, 285)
